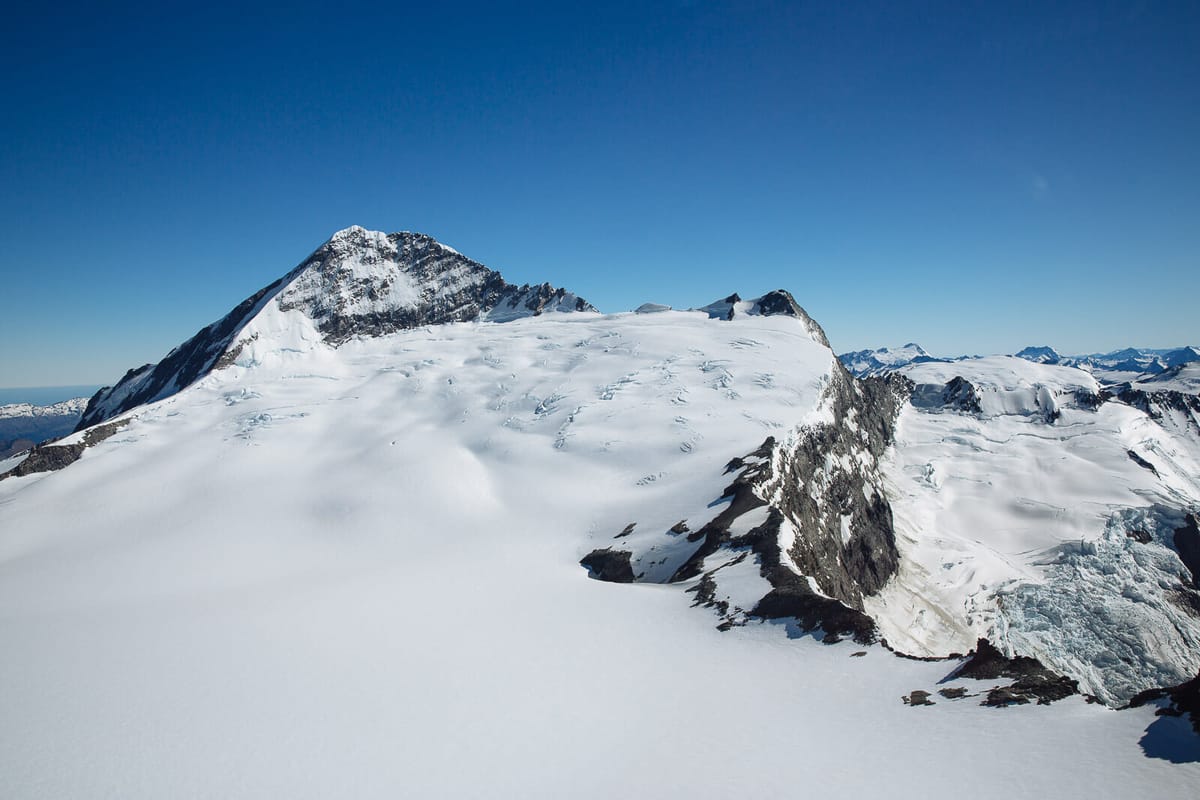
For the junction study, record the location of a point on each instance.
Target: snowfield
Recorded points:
(355, 573)
(354, 570)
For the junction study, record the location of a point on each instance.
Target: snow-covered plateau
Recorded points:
(395, 527)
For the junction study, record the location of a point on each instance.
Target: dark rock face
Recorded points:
(1187, 544)
(346, 287)
(1091, 400)
(1140, 536)
(1033, 681)
(52, 457)
(961, 394)
(844, 540)
(1155, 404)
(781, 301)
(743, 498)
(610, 565)
(793, 599)
(988, 663)
(1181, 699)
(849, 497)
(778, 302)
(1141, 462)
(958, 394)
(347, 301)
(47, 458)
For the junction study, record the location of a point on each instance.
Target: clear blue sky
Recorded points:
(974, 177)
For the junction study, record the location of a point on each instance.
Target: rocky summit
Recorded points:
(359, 283)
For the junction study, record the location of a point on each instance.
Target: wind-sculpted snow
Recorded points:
(1040, 515)
(359, 283)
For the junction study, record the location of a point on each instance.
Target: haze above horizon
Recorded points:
(972, 178)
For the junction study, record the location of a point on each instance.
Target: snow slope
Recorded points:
(354, 572)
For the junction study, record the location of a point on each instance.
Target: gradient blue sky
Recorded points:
(972, 176)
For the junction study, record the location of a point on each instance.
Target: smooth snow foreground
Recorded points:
(355, 573)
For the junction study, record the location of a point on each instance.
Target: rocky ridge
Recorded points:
(806, 512)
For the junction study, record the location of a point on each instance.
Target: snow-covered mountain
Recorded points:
(1119, 366)
(359, 283)
(868, 363)
(341, 542)
(1040, 355)
(63, 409)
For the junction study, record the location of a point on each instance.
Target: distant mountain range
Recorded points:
(23, 425)
(1128, 364)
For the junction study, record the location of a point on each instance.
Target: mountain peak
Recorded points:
(773, 303)
(1042, 355)
(864, 363)
(359, 283)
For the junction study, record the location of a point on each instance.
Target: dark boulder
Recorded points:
(609, 565)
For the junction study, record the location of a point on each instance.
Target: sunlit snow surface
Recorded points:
(355, 574)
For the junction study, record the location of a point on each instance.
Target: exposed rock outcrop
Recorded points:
(809, 511)
(1187, 544)
(777, 302)
(51, 457)
(609, 565)
(1032, 680)
(1176, 411)
(1180, 700)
